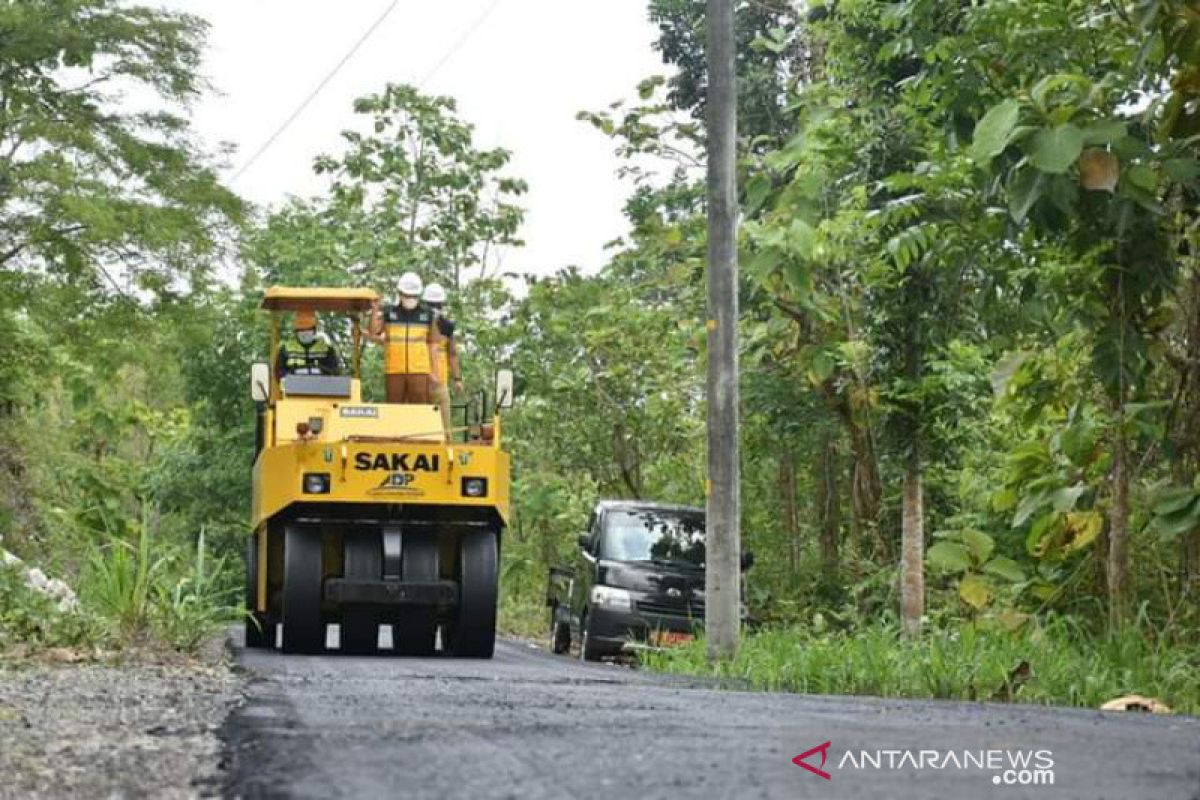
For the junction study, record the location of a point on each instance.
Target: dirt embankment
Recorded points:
(119, 731)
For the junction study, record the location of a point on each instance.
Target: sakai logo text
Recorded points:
(396, 462)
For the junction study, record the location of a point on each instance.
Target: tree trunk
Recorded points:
(787, 505)
(912, 550)
(866, 489)
(827, 508)
(1118, 531)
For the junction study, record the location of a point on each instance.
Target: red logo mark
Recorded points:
(823, 749)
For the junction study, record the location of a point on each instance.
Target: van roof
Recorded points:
(648, 505)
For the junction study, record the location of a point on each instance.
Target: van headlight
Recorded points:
(610, 597)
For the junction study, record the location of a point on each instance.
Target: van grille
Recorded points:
(672, 607)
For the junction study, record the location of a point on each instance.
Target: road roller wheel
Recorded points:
(474, 630)
(414, 630)
(303, 628)
(364, 560)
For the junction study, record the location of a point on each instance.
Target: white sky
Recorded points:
(520, 79)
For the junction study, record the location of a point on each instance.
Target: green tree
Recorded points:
(93, 189)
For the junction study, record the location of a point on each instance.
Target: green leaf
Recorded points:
(948, 557)
(1184, 520)
(975, 591)
(1182, 170)
(1047, 527)
(800, 239)
(1054, 150)
(1142, 176)
(1006, 568)
(757, 192)
(1171, 500)
(1065, 499)
(979, 543)
(1024, 191)
(1104, 132)
(994, 131)
(1030, 505)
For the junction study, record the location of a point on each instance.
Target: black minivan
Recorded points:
(638, 580)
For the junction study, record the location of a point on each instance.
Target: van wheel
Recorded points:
(560, 634)
(303, 628)
(588, 651)
(474, 634)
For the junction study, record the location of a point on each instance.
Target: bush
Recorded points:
(34, 620)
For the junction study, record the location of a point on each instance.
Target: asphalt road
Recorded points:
(531, 725)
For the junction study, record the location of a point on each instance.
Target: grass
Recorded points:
(1053, 663)
(150, 592)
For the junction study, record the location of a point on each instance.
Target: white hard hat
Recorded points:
(410, 284)
(434, 293)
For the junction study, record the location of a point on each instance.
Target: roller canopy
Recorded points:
(343, 301)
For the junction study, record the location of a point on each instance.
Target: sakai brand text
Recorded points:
(396, 462)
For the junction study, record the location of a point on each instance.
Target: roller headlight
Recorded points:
(609, 597)
(474, 487)
(316, 483)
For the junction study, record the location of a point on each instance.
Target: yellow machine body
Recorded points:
(374, 460)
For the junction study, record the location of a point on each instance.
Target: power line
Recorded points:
(320, 86)
(462, 40)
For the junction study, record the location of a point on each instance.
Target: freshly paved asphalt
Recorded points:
(531, 725)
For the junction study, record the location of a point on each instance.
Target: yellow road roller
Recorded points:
(370, 514)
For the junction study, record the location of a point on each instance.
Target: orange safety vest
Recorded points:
(408, 334)
(445, 332)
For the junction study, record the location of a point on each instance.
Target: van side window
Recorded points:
(593, 532)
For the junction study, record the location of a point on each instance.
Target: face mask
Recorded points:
(307, 337)
(409, 303)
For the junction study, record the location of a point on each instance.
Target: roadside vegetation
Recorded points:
(1051, 663)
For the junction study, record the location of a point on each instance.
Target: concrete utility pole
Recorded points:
(723, 575)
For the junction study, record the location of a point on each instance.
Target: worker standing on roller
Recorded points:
(307, 352)
(406, 331)
(445, 360)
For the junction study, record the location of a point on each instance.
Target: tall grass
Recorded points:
(148, 592)
(1052, 663)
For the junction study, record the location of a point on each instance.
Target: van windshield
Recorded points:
(654, 535)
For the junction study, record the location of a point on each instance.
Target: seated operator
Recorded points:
(307, 352)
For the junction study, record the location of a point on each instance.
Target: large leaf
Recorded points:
(949, 557)
(1056, 149)
(1174, 499)
(994, 131)
(975, 591)
(1183, 520)
(980, 544)
(1065, 499)
(1024, 190)
(1082, 529)
(1005, 568)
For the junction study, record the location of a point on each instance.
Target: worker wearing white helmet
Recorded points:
(406, 330)
(445, 357)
